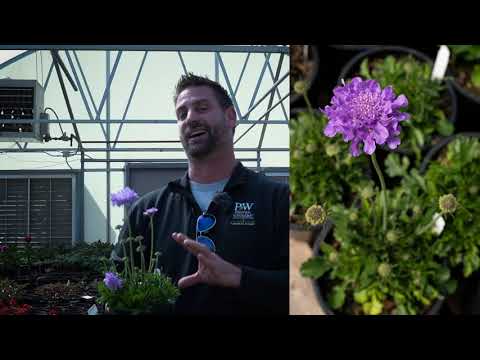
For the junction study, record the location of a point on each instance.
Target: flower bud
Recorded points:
(353, 216)
(311, 148)
(139, 238)
(473, 190)
(316, 215)
(392, 237)
(417, 210)
(384, 270)
(447, 203)
(333, 256)
(300, 87)
(367, 192)
(332, 149)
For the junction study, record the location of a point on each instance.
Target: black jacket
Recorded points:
(251, 232)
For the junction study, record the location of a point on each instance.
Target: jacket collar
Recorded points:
(239, 176)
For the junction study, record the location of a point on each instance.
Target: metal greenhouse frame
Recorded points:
(74, 75)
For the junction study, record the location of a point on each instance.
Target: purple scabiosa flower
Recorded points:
(112, 281)
(362, 112)
(3, 248)
(150, 212)
(124, 196)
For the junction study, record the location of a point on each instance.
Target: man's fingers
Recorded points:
(192, 246)
(189, 280)
(179, 237)
(207, 261)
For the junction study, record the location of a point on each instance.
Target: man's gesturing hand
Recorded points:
(212, 269)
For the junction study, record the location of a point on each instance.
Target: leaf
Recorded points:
(326, 248)
(315, 267)
(361, 296)
(393, 165)
(376, 307)
(444, 127)
(364, 71)
(418, 136)
(443, 274)
(476, 76)
(419, 178)
(451, 286)
(336, 298)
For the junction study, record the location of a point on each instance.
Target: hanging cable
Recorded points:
(59, 124)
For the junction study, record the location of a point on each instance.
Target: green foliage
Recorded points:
(84, 256)
(151, 293)
(419, 261)
(416, 278)
(322, 169)
(426, 98)
(470, 53)
(457, 172)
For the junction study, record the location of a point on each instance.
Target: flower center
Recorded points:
(364, 107)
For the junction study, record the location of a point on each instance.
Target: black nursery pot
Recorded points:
(432, 154)
(295, 98)
(320, 284)
(467, 295)
(464, 92)
(352, 66)
(354, 47)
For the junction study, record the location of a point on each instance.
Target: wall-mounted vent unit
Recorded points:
(21, 100)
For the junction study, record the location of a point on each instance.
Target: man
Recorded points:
(234, 260)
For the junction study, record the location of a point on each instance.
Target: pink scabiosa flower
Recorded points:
(362, 112)
(150, 212)
(124, 196)
(113, 281)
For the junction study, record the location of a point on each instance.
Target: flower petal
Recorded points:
(369, 146)
(380, 133)
(400, 102)
(393, 142)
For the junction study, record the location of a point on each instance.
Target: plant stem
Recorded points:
(131, 250)
(126, 265)
(384, 190)
(142, 256)
(309, 105)
(150, 263)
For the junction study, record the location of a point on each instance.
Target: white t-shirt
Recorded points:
(204, 193)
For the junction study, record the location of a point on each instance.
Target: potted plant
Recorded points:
(376, 257)
(304, 62)
(453, 166)
(140, 288)
(465, 66)
(11, 296)
(432, 103)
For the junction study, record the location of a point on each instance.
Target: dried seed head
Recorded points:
(316, 215)
(447, 203)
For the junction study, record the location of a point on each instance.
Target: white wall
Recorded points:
(152, 100)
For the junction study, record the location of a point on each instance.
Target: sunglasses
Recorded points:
(206, 222)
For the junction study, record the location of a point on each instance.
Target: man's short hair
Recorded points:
(190, 80)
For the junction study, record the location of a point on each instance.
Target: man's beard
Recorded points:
(204, 147)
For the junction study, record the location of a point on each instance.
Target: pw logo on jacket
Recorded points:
(243, 214)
